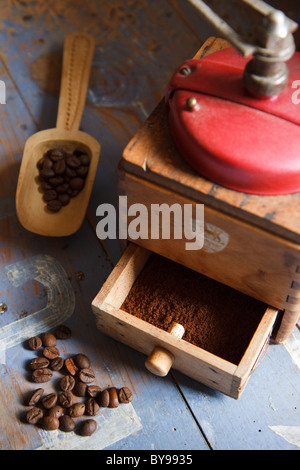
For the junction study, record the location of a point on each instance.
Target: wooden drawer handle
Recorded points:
(160, 360)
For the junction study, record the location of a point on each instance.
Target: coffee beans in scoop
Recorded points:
(75, 397)
(62, 176)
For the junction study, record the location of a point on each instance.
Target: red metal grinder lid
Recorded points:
(236, 140)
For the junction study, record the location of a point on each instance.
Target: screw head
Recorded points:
(185, 71)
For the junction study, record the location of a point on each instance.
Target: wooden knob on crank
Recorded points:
(160, 360)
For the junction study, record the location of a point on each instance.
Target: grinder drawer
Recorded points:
(225, 331)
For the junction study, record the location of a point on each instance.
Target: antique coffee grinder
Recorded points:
(227, 135)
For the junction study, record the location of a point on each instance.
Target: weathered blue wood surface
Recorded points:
(138, 45)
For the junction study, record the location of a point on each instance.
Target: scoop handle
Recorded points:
(77, 61)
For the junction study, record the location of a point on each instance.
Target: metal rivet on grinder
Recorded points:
(191, 103)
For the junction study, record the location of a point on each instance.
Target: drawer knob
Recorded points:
(160, 360)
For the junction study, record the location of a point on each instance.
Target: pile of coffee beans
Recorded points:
(76, 395)
(62, 176)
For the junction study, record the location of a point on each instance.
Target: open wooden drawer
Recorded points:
(204, 366)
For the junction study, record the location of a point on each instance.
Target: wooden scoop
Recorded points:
(31, 209)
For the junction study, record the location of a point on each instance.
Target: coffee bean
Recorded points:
(76, 410)
(46, 186)
(70, 366)
(79, 389)
(66, 399)
(77, 183)
(93, 390)
(82, 361)
(125, 395)
(62, 188)
(34, 415)
(54, 206)
(67, 383)
(50, 423)
(73, 161)
(47, 173)
(59, 167)
(39, 363)
(69, 173)
(73, 192)
(64, 199)
(35, 343)
(84, 159)
(56, 411)
(91, 407)
(82, 171)
(49, 339)
(57, 363)
(35, 396)
(47, 164)
(51, 352)
(50, 195)
(56, 180)
(56, 154)
(66, 423)
(113, 398)
(49, 400)
(40, 162)
(86, 375)
(42, 375)
(62, 332)
(103, 399)
(88, 427)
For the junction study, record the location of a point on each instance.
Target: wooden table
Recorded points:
(46, 281)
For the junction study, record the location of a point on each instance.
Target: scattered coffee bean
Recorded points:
(91, 407)
(81, 361)
(64, 174)
(35, 396)
(49, 400)
(125, 395)
(93, 390)
(39, 363)
(66, 423)
(88, 427)
(86, 375)
(48, 339)
(113, 398)
(79, 389)
(34, 415)
(66, 399)
(35, 343)
(76, 410)
(67, 383)
(50, 423)
(62, 332)
(57, 363)
(103, 399)
(51, 352)
(70, 366)
(56, 411)
(42, 375)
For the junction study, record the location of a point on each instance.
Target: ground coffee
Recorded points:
(216, 318)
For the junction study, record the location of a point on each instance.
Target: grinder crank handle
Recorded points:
(256, 29)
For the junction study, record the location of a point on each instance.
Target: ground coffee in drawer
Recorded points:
(216, 318)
